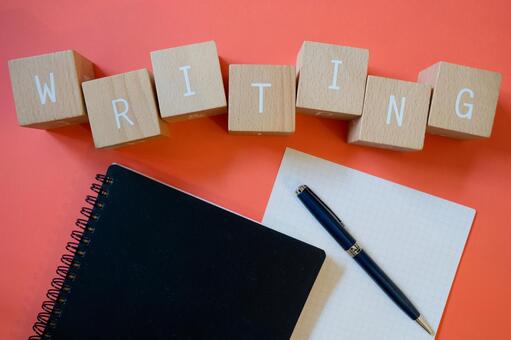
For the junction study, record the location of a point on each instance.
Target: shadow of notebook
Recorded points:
(416, 238)
(156, 263)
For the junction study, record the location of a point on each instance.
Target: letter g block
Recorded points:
(464, 100)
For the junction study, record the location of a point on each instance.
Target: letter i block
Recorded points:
(464, 100)
(394, 115)
(262, 99)
(189, 81)
(122, 109)
(47, 89)
(331, 80)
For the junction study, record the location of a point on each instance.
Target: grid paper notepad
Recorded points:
(415, 237)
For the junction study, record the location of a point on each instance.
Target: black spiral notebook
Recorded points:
(148, 261)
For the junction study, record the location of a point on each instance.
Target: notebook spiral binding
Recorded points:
(67, 272)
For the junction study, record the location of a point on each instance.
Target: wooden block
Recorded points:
(464, 100)
(47, 89)
(394, 115)
(262, 99)
(122, 109)
(331, 80)
(189, 81)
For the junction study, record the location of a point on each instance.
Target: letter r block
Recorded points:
(189, 81)
(122, 109)
(464, 100)
(331, 80)
(47, 89)
(262, 99)
(394, 115)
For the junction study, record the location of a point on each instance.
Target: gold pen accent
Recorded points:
(424, 324)
(354, 250)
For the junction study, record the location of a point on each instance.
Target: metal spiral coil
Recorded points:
(61, 285)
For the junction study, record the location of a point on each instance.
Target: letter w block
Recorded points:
(47, 89)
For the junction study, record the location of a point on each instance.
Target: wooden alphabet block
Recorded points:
(262, 99)
(331, 80)
(464, 100)
(122, 109)
(47, 89)
(189, 81)
(394, 115)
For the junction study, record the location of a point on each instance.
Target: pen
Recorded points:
(336, 229)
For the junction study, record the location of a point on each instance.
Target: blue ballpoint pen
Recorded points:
(336, 229)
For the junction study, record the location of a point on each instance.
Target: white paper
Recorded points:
(415, 237)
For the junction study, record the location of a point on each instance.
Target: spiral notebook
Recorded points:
(416, 238)
(151, 262)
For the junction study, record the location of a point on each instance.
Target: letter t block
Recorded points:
(122, 109)
(394, 115)
(262, 99)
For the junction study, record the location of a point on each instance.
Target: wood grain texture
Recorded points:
(136, 88)
(447, 81)
(318, 92)
(204, 81)
(278, 116)
(372, 129)
(69, 69)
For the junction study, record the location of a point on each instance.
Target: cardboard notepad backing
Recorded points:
(415, 237)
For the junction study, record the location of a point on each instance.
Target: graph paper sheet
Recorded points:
(416, 238)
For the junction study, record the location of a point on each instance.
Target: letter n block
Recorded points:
(262, 99)
(464, 100)
(122, 109)
(394, 115)
(47, 89)
(189, 81)
(331, 80)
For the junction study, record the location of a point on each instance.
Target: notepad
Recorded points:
(149, 261)
(416, 238)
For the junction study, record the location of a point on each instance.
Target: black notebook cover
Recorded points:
(153, 262)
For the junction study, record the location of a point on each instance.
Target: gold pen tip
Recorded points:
(424, 324)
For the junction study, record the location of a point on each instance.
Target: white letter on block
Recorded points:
(334, 85)
(261, 87)
(470, 107)
(45, 90)
(399, 113)
(123, 114)
(189, 91)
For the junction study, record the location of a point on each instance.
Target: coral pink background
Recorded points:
(45, 174)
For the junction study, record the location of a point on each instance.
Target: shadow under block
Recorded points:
(47, 89)
(331, 80)
(464, 100)
(262, 99)
(122, 109)
(394, 115)
(189, 81)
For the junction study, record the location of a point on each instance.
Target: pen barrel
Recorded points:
(327, 218)
(386, 284)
